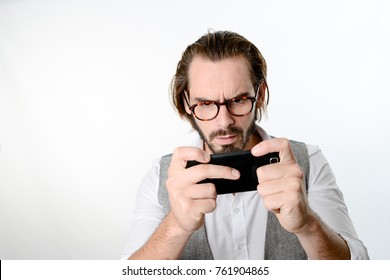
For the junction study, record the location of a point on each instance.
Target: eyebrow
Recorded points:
(202, 99)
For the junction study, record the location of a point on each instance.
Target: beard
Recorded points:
(242, 137)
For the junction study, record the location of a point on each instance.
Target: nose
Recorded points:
(224, 118)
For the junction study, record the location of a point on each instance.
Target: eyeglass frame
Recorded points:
(219, 104)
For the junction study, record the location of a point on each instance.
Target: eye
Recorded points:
(206, 104)
(238, 100)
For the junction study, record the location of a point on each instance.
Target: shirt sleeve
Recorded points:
(326, 199)
(148, 212)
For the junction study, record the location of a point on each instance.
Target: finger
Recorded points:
(274, 202)
(280, 145)
(201, 191)
(185, 198)
(278, 171)
(286, 185)
(181, 155)
(211, 171)
(285, 202)
(204, 206)
(201, 172)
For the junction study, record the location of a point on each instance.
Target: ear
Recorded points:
(261, 95)
(186, 99)
(187, 109)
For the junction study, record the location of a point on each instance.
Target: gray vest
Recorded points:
(279, 243)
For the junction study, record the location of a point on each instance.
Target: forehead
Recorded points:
(226, 77)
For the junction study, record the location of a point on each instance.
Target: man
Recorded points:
(297, 212)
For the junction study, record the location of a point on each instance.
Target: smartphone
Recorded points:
(244, 162)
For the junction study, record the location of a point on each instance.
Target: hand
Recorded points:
(281, 185)
(189, 200)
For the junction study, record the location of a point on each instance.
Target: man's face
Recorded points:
(219, 81)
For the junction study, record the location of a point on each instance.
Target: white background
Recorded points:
(84, 108)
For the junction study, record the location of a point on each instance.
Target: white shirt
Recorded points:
(236, 229)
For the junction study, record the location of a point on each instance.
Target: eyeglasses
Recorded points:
(208, 110)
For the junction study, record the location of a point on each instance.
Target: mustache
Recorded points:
(223, 132)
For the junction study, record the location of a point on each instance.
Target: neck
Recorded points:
(253, 141)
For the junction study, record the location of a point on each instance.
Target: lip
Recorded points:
(226, 140)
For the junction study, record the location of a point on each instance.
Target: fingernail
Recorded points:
(255, 150)
(235, 173)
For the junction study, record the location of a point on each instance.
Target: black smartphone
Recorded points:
(244, 162)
